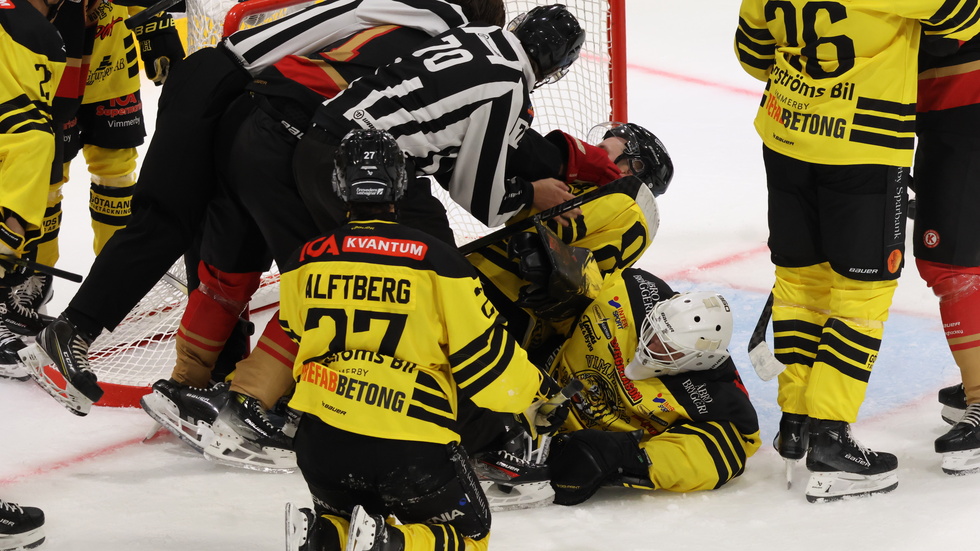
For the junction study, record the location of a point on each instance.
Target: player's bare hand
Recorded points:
(551, 192)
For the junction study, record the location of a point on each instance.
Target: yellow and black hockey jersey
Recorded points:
(841, 76)
(393, 329)
(699, 427)
(32, 61)
(114, 72)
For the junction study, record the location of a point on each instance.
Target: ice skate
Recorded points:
(371, 533)
(960, 447)
(11, 367)
(23, 304)
(791, 441)
(73, 384)
(20, 527)
(245, 438)
(513, 478)
(953, 399)
(187, 412)
(840, 467)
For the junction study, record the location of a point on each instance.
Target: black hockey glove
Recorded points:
(584, 460)
(11, 273)
(160, 47)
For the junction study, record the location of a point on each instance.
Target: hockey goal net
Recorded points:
(141, 349)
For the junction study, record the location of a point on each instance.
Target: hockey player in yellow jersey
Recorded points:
(663, 406)
(837, 120)
(33, 61)
(106, 129)
(394, 331)
(617, 229)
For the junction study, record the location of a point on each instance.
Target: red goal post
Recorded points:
(141, 349)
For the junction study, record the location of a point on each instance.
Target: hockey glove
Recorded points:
(11, 273)
(584, 460)
(160, 47)
(585, 162)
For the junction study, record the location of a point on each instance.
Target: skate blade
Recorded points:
(15, 372)
(51, 381)
(961, 463)
(503, 497)
(790, 463)
(297, 527)
(166, 413)
(27, 540)
(231, 450)
(951, 414)
(837, 485)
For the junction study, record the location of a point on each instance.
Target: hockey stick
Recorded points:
(43, 268)
(766, 365)
(625, 184)
(571, 389)
(149, 13)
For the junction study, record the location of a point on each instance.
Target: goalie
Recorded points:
(663, 406)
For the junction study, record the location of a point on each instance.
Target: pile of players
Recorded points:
(390, 344)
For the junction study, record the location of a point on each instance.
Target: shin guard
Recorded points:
(267, 373)
(212, 312)
(959, 306)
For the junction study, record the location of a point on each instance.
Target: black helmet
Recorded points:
(552, 38)
(369, 168)
(646, 156)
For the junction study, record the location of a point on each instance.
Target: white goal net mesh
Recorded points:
(141, 349)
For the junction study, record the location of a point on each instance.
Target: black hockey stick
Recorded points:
(43, 268)
(149, 13)
(624, 184)
(766, 365)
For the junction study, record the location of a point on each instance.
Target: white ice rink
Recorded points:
(102, 489)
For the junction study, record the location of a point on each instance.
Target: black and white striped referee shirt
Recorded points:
(456, 105)
(320, 25)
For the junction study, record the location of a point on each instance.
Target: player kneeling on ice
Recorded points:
(394, 330)
(663, 406)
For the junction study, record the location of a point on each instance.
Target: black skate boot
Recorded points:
(791, 441)
(23, 303)
(188, 412)
(961, 445)
(953, 399)
(10, 365)
(244, 437)
(371, 533)
(20, 527)
(67, 348)
(840, 467)
(513, 477)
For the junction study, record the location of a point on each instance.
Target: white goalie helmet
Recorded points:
(687, 332)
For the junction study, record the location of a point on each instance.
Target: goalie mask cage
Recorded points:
(141, 349)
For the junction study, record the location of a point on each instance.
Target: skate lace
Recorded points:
(506, 456)
(861, 447)
(12, 507)
(6, 335)
(972, 415)
(20, 301)
(79, 350)
(30, 290)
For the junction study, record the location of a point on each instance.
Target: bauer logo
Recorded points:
(5, 5)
